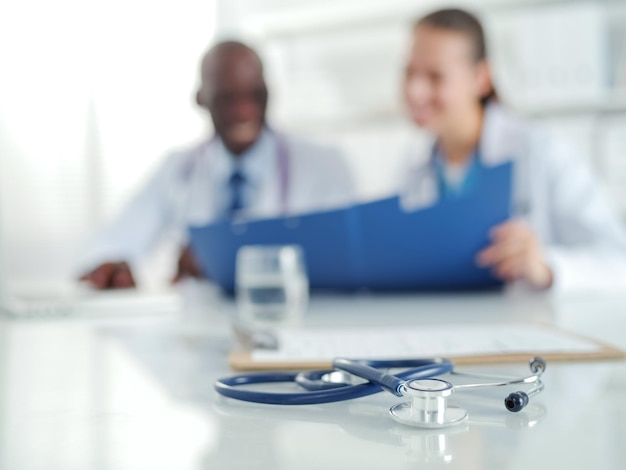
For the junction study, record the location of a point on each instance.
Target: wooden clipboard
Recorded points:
(243, 360)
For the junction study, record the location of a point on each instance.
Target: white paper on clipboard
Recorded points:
(324, 344)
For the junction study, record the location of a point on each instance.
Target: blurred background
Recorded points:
(94, 94)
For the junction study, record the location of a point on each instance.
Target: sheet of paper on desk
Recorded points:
(315, 345)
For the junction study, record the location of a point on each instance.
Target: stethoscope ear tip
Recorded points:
(516, 401)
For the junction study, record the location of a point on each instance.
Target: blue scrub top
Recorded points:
(469, 181)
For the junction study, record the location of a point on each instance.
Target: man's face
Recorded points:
(233, 91)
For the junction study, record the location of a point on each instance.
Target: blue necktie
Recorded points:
(236, 183)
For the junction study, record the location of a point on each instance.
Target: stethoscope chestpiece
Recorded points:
(428, 406)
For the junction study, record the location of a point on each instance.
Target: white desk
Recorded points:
(136, 393)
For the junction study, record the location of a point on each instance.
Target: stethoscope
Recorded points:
(360, 420)
(427, 406)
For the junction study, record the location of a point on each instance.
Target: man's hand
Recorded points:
(110, 276)
(187, 266)
(515, 253)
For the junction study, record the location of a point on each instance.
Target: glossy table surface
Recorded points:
(133, 389)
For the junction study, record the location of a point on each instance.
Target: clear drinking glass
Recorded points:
(272, 285)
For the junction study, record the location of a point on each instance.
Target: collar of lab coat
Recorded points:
(499, 142)
(501, 139)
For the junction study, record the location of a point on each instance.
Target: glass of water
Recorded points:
(272, 285)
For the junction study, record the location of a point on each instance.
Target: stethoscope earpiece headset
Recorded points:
(428, 396)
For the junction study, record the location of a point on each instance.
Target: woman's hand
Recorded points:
(515, 253)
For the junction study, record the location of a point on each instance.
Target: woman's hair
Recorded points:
(463, 22)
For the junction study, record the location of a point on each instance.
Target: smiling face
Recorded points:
(233, 90)
(443, 80)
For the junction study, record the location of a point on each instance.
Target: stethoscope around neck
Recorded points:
(428, 396)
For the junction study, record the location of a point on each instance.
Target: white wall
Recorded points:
(92, 94)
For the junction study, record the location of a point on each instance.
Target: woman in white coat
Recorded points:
(564, 233)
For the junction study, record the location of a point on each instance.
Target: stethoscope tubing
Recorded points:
(316, 394)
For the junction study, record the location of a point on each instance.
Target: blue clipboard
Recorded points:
(377, 245)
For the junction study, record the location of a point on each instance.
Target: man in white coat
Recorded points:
(245, 170)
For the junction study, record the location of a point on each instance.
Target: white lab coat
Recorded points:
(554, 191)
(191, 188)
